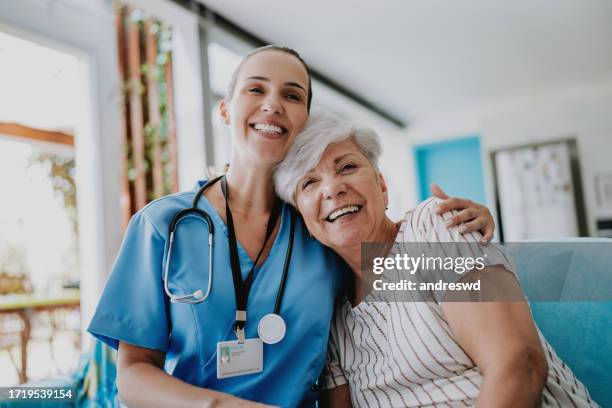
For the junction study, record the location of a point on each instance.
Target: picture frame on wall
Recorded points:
(538, 191)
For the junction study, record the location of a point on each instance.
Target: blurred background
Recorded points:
(106, 105)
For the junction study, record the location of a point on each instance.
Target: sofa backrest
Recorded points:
(578, 323)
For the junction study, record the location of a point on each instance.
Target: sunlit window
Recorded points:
(39, 262)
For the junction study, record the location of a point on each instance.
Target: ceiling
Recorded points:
(421, 58)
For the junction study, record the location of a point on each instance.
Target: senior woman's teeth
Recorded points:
(267, 128)
(342, 211)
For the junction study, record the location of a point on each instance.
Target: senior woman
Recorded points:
(404, 354)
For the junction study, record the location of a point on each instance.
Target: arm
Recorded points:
(503, 342)
(142, 382)
(471, 216)
(338, 397)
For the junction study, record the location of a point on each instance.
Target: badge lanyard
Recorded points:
(272, 327)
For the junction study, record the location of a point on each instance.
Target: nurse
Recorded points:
(175, 354)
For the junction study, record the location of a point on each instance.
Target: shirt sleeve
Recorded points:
(445, 242)
(133, 306)
(333, 375)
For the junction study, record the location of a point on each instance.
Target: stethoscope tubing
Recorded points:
(192, 298)
(198, 296)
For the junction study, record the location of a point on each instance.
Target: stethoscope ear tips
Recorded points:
(198, 294)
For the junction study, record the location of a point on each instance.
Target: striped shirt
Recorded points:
(403, 354)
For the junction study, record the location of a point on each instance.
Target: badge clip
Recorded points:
(240, 318)
(240, 335)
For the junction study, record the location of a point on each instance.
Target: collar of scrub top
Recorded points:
(242, 288)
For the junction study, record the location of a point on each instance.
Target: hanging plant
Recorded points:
(156, 135)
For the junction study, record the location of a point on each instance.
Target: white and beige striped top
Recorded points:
(403, 354)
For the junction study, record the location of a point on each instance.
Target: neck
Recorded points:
(385, 233)
(250, 188)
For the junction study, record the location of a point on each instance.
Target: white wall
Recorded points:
(587, 118)
(583, 113)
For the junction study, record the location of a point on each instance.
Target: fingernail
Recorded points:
(438, 209)
(462, 229)
(448, 223)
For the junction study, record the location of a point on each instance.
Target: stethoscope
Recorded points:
(271, 328)
(194, 212)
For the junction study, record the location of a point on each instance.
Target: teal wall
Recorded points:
(455, 165)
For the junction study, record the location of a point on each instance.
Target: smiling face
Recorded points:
(268, 106)
(343, 199)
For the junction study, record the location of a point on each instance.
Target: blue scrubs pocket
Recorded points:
(206, 365)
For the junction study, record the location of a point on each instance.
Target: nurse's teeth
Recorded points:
(341, 211)
(264, 127)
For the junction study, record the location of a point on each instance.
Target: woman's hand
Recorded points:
(471, 216)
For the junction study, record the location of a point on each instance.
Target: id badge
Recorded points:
(234, 359)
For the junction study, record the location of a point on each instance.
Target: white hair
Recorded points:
(319, 133)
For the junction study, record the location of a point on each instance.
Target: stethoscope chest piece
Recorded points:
(271, 328)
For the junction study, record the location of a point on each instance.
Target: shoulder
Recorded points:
(422, 222)
(160, 212)
(169, 203)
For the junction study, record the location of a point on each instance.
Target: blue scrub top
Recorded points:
(135, 309)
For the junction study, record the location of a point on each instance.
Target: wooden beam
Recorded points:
(26, 132)
(136, 110)
(153, 105)
(172, 147)
(126, 199)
